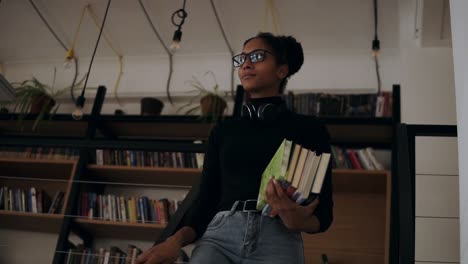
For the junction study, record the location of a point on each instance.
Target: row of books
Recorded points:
(324, 104)
(114, 255)
(126, 209)
(49, 153)
(361, 159)
(31, 200)
(149, 158)
(300, 170)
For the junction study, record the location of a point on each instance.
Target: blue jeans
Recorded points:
(247, 238)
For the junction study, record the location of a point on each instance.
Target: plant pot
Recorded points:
(212, 105)
(40, 103)
(151, 106)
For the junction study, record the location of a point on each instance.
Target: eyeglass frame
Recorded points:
(248, 56)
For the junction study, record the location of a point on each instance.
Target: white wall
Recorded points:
(426, 76)
(26, 247)
(459, 8)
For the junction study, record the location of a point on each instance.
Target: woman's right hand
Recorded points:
(166, 252)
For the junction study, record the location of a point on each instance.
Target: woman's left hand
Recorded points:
(292, 214)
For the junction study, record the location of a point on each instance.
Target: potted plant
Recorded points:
(211, 104)
(36, 98)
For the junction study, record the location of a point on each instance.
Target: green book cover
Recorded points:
(276, 169)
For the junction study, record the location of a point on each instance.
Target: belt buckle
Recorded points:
(245, 203)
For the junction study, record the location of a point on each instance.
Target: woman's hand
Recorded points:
(164, 253)
(295, 217)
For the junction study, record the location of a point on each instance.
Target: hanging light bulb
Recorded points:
(77, 114)
(176, 40)
(69, 59)
(182, 15)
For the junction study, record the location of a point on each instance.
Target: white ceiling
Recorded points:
(318, 24)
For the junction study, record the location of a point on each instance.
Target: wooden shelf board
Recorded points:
(360, 181)
(121, 230)
(161, 130)
(37, 168)
(355, 133)
(183, 177)
(38, 161)
(56, 128)
(50, 223)
(357, 234)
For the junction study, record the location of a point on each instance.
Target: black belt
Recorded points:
(245, 206)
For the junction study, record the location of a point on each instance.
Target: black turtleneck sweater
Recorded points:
(238, 151)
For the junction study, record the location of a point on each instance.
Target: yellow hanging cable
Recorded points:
(265, 16)
(71, 50)
(270, 11)
(274, 13)
(117, 53)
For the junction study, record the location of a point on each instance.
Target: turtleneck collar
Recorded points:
(263, 100)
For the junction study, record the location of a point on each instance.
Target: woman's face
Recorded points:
(261, 77)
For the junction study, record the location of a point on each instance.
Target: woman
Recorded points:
(223, 217)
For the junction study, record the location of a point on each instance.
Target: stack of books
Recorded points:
(137, 158)
(343, 105)
(39, 153)
(360, 159)
(114, 255)
(300, 171)
(31, 200)
(126, 209)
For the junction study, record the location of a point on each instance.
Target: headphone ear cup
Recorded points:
(267, 112)
(248, 112)
(260, 111)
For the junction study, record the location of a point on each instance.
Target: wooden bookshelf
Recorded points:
(358, 133)
(357, 235)
(61, 126)
(168, 127)
(360, 232)
(38, 222)
(36, 168)
(180, 177)
(121, 230)
(48, 175)
(360, 181)
(344, 180)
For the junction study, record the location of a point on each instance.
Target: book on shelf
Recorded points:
(32, 200)
(131, 209)
(113, 255)
(300, 171)
(326, 104)
(359, 159)
(137, 158)
(48, 153)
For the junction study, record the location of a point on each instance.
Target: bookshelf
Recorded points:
(136, 231)
(47, 175)
(168, 177)
(363, 199)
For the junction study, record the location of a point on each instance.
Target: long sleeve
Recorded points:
(317, 138)
(205, 204)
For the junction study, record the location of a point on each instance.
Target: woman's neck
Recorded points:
(264, 93)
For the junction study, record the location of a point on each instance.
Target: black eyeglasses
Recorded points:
(255, 56)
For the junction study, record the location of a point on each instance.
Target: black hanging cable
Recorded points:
(95, 48)
(48, 25)
(376, 47)
(75, 76)
(182, 14)
(231, 51)
(169, 53)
